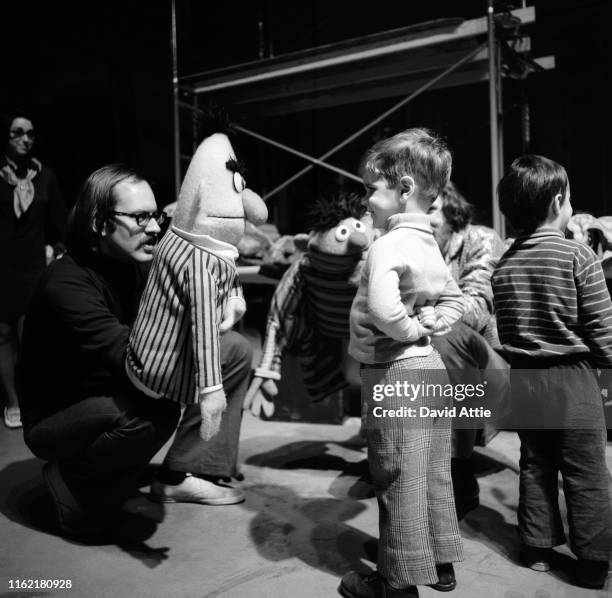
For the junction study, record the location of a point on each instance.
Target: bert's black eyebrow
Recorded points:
(236, 166)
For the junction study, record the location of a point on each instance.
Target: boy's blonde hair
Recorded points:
(418, 153)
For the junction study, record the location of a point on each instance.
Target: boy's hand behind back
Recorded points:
(427, 316)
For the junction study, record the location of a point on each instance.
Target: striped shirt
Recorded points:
(551, 299)
(174, 343)
(309, 314)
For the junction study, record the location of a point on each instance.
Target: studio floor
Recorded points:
(309, 509)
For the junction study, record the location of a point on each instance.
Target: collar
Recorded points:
(28, 163)
(207, 242)
(416, 221)
(542, 232)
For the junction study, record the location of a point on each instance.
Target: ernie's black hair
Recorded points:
(327, 212)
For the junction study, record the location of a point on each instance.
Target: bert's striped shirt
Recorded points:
(174, 343)
(551, 299)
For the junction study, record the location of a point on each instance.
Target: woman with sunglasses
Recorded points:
(32, 223)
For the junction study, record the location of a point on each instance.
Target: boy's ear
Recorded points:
(556, 204)
(407, 185)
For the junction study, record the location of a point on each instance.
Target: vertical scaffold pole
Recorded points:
(175, 97)
(494, 97)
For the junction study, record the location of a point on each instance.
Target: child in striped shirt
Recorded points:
(554, 319)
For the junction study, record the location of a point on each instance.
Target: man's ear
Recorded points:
(407, 186)
(100, 230)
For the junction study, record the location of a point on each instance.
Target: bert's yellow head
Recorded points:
(214, 199)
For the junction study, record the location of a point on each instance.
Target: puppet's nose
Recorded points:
(254, 207)
(358, 240)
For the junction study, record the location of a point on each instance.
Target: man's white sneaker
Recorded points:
(193, 489)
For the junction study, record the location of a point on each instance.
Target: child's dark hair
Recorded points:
(414, 152)
(526, 190)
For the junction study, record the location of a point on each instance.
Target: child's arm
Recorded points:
(594, 307)
(385, 305)
(449, 307)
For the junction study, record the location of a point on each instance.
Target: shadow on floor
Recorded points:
(315, 530)
(25, 500)
(315, 455)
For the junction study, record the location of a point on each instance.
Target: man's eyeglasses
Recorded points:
(143, 218)
(19, 132)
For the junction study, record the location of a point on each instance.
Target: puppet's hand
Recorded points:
(260, 396)
(212, 406)
(233, 312)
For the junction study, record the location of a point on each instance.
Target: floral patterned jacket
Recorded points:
(472, 256)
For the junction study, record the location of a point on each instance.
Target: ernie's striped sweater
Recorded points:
(551, 299)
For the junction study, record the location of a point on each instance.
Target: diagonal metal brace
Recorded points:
(378, 119)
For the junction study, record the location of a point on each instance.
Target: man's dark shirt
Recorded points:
(75, 335)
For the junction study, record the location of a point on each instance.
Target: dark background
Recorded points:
(97, 78)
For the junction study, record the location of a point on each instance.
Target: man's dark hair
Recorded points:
(92, 209)
(526, 190)
(458, 212)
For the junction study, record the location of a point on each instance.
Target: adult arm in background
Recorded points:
(472, 266)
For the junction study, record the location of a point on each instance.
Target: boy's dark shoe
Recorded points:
(536, 558)
(446, 578)
(372, 585)
(591, 574)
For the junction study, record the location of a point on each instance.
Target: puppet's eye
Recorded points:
(239, 183)
(358, 226)
(342, 233)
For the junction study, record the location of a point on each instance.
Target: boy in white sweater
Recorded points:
(406, 294)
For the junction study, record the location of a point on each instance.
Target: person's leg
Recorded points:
(443, 520)
(8, 353)
(587, 495)
(190, 458)
(399, 450)
(217, 457)
(539, 519)
(462, 363)
(102, 444)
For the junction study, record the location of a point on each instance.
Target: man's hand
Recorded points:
(233, 313)
(212, 406)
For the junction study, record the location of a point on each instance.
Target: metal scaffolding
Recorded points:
(406, 61)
